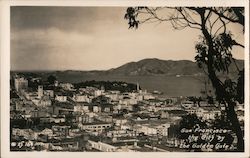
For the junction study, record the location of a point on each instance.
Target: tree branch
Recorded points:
(239, 21)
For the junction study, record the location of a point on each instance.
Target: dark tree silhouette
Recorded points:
(191, 122)
(213, 50)
(51, 79)
(240, 87)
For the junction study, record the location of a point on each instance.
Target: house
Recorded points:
(94, 126)
(187, 104)
(26, 133)
(81, 108)
(81, 98)
(152, 128)
(105, 118)
(20, 83)
(84, 118)
(102, 146)
(49, 93)
(42, 102)
(97, 109)
(66, 86)
(61, 130)
(61, 98)
(208, 113)
(47, 132)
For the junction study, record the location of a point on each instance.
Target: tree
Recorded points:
(51, 79)
(213, 50)
(191, 120)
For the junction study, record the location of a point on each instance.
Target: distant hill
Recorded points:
(167, 67)
(174, 78)
(157, 66)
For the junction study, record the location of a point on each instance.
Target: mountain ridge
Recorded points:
(154, 66)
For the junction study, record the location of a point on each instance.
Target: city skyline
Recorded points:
(43, 37)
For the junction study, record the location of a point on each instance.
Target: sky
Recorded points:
(92, 38)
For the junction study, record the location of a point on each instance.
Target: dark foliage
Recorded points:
(108, 85)
(240, 87)
(51, 79)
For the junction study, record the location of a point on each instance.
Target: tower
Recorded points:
(56, 83)
(40, 91)
(137, 87)
(102, 88)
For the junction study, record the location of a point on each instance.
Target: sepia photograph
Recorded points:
(149, 79)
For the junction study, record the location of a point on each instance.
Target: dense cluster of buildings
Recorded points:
(59, 117)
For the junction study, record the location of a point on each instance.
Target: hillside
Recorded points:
(157, 66)
(167, 67)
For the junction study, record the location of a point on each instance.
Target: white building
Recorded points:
(153, 129)
(26, 133)
(96, 109)
(81, 108)
(56, 83)
(98, 92)
(20, 83)
(120, 121)
(67, 86)
(81, 98)
(128, 101)
(146, 129)
(40, 91)
(148, 96)
(206, 113)
(47, 132)
(102, 146)
(61, 98)
(97, 127)
(45, 102)
(49, 93)
(187, 104)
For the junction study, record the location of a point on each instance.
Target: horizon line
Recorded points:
(25, 70)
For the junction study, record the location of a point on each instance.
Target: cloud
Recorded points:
(87, 38)
(46, 48)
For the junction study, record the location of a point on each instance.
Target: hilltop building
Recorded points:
(40, 91)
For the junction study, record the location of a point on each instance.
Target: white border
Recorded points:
(5, 74)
